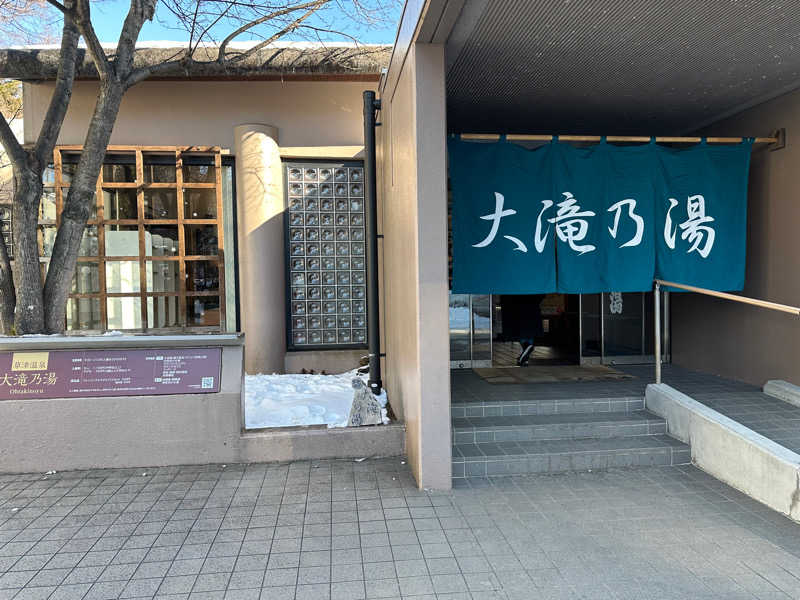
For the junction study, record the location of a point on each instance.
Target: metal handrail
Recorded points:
(793, 310)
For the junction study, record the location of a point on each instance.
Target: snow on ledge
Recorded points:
(292, 400)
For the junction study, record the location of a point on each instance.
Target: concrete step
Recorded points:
(552, 406)
(524, 428)
(558, 456)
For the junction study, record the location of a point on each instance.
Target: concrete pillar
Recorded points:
(435, 448)
(260, 206)
(414, 204)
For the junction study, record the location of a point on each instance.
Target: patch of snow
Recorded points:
(34, 335)
(292, 400)
(113, 333)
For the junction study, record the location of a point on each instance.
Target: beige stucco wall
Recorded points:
(306, 113)
(413, 196)
(304, 120)
(735, 340)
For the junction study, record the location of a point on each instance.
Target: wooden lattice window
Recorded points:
(152, 255)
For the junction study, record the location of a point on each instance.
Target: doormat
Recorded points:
(551, 374)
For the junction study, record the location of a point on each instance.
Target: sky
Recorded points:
(108, 15)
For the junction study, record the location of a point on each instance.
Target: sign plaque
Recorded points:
(111, 372)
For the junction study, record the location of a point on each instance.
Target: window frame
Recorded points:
(180, 156)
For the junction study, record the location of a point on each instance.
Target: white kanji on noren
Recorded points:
(570, 225)
(495, 218)
(695, 228)
(631, 203)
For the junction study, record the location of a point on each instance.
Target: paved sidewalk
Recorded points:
(345, 530)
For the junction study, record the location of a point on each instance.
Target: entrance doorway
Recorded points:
(567, 329)
(549, 321)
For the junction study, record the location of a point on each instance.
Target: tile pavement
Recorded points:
(345, 530)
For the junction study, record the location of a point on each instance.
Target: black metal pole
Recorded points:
(371, 191)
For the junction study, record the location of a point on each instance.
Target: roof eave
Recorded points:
(330, 63)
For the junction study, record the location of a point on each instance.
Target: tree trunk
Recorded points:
(77, 205)
(29, 309)
(7, 298)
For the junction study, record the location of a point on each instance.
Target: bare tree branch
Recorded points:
(27, 21)
(84, 22)
(269, 40)
(194, 24)
(59, 102)
(206, 30)
(58, 6)
(140, 11)
(142, 73)
(311, 6)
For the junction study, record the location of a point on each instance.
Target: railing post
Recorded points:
(657, 343)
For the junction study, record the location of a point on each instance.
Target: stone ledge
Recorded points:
(731, 452)
(102, 342)
(280, 445)
(783, 390)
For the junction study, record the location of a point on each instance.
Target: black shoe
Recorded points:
(525, 356)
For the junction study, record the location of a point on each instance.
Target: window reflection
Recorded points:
(202, 276)
(122, 276)
(160, 204)
(163, 276)
(200, 204)
(124, 312)
(120, 204)
(201, 240)
(122, 240)
(84, 314)
(161, 240)
(162, 311)
(86, 279)
(119, 169)
(199, 173)
(202, 310)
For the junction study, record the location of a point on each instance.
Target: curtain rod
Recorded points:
(515, 137)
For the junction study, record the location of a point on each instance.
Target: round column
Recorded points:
(260, 206)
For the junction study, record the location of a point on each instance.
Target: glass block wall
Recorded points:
(325, 255)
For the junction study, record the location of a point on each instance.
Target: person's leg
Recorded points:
(527, 350)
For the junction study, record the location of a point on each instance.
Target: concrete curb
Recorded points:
(783, 390)
(729, 451)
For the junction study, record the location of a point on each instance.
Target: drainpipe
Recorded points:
(371, 105)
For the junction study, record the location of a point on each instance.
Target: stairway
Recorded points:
(494, 437)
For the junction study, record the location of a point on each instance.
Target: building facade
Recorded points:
(238, 205)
